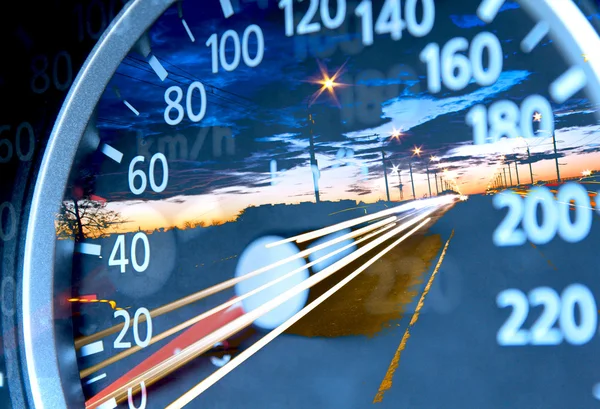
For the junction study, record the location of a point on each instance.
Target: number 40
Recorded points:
(122, 261)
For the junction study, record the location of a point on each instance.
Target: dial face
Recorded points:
(335, 204)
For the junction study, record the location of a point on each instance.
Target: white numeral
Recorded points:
(240, 50)
(121, 260)
(504, 119)
(556, 217)
(556, 308)
(138, 173)
(143, 399)
(510, 333)
(455, 70)
(390, 20)
(175, 104)
(119, 344)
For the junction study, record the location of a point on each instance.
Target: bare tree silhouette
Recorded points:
(85, 215)
(86, 218)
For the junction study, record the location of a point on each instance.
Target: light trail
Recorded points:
(182, 302)
(165, 334)
(257, 346)
(199, 347)
(419, 204)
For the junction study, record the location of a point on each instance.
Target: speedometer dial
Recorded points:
(328, 204)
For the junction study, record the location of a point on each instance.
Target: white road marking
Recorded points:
(187, 29)
(91, 249)
(158, 68)
(533, 38)
(128, 105)
(488, 9)
(91, 349)
(570, 82)
(187, 397)
(227, 8)
(111, 404)
(112, 153)
(95, 379)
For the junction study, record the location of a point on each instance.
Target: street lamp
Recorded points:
(416, 151)
(435, 159)
(327, 83)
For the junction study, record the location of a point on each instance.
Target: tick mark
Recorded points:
(110, 404)
(128, 105)
(90, 249)
(112, 153)
(187, 29)
(533, 38)
(227, 8)
(95, 379)
(158, 68)
(91, 349)
(488, 9)
(570, 82)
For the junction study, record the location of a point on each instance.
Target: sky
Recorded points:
(257, 115)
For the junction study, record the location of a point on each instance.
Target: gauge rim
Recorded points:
(40, 350)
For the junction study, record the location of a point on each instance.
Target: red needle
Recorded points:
(182, 341)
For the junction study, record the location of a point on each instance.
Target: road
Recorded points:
(451, 358)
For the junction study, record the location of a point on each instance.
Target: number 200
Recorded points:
(556, 217)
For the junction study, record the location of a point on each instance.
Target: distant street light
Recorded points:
(416, 151)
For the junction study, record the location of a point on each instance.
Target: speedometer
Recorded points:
(318, 204)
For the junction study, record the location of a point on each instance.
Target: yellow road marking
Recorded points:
(544, 257)
(351, 208)
(387, 380)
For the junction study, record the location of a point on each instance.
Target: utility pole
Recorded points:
(505, 181)
(428, 183)
(517, 172)
(437, 191)
(509, 173)
(400, 185)
(529, 160)
(314, 166)
(555, 156)
(412, 183)
(387, 189)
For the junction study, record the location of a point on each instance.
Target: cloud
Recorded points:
(406, 113)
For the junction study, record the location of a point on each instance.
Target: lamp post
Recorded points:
(435, 159)
(387, 188)
(327, 83)
(416, 151)
(396, 170)
(314, 166)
